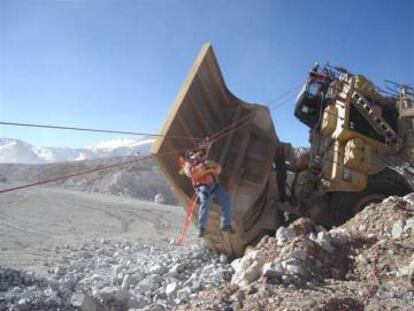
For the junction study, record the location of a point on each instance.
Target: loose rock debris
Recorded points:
(365, 264)
(116, 276)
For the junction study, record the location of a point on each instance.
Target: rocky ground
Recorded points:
(103, 275)
(365, 264)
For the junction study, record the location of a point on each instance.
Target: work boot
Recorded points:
(228, 228)
(201, 232)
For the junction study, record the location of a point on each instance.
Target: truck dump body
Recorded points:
(203, 107)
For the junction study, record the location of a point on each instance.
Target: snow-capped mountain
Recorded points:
(17, 151)
(124, 146)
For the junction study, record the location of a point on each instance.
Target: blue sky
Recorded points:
(120, 64)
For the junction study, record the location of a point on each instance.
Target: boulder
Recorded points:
(397, 229)
(284, 234)
(83, 302)
(150, 283)
(154, 307)
(253, 272)
(128, 281)
(178, 268)
(171, 290)
(340, 236)
(245, 276)
(268, 270)
(299, 254)
(293, 269)
(159, 198)
(110, 293)
(184, 293)
(324, 241)
(136, 301)
(158, 269)
(409, 224)
(304, 226)
(236, 264)
(410, 198)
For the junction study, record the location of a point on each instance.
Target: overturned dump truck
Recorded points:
(361, 150)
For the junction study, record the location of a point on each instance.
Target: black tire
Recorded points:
(342, 206)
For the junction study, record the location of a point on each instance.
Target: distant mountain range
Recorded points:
(18, 151)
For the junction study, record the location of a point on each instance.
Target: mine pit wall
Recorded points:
(204, 106)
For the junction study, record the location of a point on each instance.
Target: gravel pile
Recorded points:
(118, 276)
(366, 264)
(299, 255)
(25, 291)
(386, 229)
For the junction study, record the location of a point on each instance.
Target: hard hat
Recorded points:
(195, 156)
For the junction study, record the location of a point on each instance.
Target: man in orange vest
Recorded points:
(204, 176)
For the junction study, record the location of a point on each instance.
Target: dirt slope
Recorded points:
(141, 180)
(37, 225)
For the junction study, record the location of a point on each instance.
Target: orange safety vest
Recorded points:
(201, 174)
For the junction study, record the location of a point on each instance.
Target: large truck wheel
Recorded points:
(342, 206)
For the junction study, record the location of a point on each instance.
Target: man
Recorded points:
(204, 176)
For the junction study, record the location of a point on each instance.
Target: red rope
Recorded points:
(60, 178)
(241, 123)
(186, 225)
(225, 131)
(235, 129)
(231, 126)
(374, 273)
(85, 172)
(374, 269)
(81, 173)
